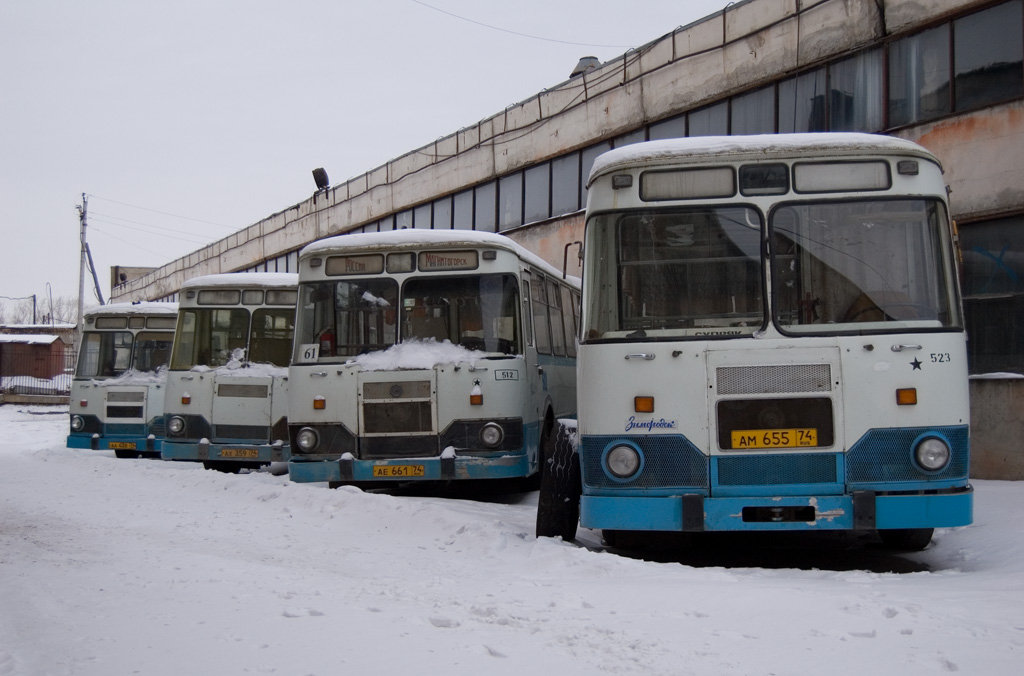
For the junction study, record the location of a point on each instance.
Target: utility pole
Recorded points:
(82, 209)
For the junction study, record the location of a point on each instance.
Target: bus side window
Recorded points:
(527, 313)
(555, 319)
(540, 318)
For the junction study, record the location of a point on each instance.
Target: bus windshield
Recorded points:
(104, 354)
(677, 272)
(152, 350)
(210, 337)
(862, 266)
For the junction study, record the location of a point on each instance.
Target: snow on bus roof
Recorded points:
(239, 279)
(830, 144)
(140, 308)
(427, 238)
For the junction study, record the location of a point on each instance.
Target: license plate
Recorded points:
(122, 445)
(240, 453)
(792, 438)
(397, 471)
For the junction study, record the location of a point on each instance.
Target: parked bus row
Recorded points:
(770, 337)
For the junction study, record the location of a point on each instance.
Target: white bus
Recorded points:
(117, 395)
(772, 340)
(428, 355)
(227, 388)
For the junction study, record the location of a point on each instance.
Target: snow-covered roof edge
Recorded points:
(729, 148)
(147, 308)
(428, 238)
(244, 279)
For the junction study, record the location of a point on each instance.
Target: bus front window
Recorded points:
(862, 266)
(270, 341)
(347, 318)
(678, 273)
(152, 350)
(478, 312)
(210, 337)
(105, 355)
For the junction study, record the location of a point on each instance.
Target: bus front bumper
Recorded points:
(224, 452)
(114, 442)
(863, 510)
(409, 469)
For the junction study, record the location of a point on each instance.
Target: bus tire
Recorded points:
(558, 504)
(906, 539)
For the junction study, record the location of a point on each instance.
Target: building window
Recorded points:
(387, 223)
(421, 217)
(674, 127)
(638, 136)
(710, 121)
(565, 184)
(462, 217)
(987, 56)
(993, 286)
(855, 102)
(403, 220)
(538, 193)
(802, 103)
(443, 213)
(485, 207)
(919, 77)
(754, 112)
(510, 201)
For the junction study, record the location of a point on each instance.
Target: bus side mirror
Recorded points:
(565, 256)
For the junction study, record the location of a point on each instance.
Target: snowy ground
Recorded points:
(111, 567)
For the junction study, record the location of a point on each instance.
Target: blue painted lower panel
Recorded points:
(726, 514)
(140, 444)
(463, 467)
(240, 452)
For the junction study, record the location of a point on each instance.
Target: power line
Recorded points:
(153, 229)
(522, 35)
(165, 213)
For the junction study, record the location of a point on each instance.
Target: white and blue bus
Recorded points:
(428, 355)
(227, 387)
(772, 340)
(117, 395)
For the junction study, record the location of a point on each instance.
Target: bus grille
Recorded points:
(787, 378)
(255, 433)
(126, 397)
(243, 391)
(670, 461)
(886, 455)
(778, 469)
(397, 417)
(402, 389)
(124, 412)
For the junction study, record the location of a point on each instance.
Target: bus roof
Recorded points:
(426, 238)
(245, 279)
(147, 308)
(754, 147)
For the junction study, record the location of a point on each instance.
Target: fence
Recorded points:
(36, 369)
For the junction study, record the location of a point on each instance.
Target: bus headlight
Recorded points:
(932, 454)
(176, 425)
(77, 423)
(622, 461)
(491, 435)
(307, 439)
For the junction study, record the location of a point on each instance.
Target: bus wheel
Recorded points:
(558, 504)
(906, 539)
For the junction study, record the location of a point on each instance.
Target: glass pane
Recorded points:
(152, 350)
(270, 341)
(710, 121)
(538, 186)
(346, 318)
(556, 322)
(638, 136)
(680, 273)
(443, 213)
(565, 185)
(478, 312)
(875, 265)
(210, 337)
(856, 93)
(421, 217)
(754, 112)
(674, 127)
(541, 331)
(510, 196)
(919, 77)
(993, 283)
(988, 56)
(463, 214)
(569, 316)
(485, 207)
(104, 354)
(802, 103)
(403, 220)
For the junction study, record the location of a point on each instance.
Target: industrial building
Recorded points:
(948, 74)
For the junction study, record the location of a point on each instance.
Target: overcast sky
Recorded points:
(186, 121)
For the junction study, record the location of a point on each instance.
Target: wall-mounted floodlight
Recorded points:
(322, 182)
